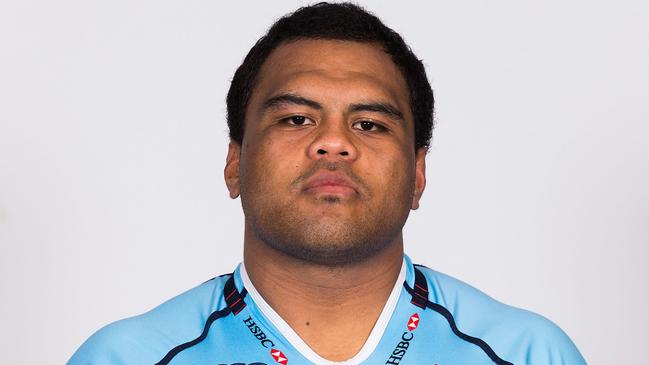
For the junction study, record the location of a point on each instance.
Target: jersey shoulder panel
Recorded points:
(146, 338)
(516, 335)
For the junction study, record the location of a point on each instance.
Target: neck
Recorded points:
(319, 302)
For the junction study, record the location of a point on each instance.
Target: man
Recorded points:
(330, 118)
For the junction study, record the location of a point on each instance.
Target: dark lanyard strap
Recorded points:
(233, 297)
(420, 290)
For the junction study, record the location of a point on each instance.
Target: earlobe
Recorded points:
(420, 177)
(231, 171)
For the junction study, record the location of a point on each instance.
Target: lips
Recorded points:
(332, 183)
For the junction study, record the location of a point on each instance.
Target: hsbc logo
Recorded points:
(266, 342)
(258, 333)
(278, 356)
(400, 350)
(413, 322)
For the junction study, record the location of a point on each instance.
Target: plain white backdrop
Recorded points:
(113, 141)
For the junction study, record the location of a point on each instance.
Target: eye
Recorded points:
(368, 126)
(298, 120)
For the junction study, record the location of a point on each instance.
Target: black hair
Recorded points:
(340, 21)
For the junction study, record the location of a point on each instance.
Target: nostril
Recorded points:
(344, 153)
(322, 152)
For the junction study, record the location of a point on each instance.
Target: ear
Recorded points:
(231, 171)
(420, 177)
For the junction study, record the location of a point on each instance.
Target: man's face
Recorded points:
(327, 170)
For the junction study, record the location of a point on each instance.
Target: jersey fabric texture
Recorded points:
(429, 318)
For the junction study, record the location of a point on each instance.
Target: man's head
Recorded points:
(333, 154)
(345, 22)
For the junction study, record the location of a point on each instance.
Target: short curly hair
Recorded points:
(339, 21)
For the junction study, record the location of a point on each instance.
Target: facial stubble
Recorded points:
(326, 238)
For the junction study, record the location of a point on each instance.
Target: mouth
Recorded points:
(330, 183)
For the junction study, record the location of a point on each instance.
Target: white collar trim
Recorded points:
(301, 346)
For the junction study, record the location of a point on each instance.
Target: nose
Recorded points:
(333, 142)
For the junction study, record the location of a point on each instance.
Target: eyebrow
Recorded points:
(287, 98)
(378, 107)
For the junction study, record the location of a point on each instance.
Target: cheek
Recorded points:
(268, 164)
(399, 176)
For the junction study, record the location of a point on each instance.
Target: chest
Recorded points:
(412, 337)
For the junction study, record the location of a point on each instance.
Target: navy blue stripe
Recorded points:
(213, 317)
(451, 321)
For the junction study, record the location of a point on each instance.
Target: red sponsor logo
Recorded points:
(413, 322)
(278, 356)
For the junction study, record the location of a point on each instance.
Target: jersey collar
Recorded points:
(406, 274)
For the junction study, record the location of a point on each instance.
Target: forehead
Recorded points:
(332, 70)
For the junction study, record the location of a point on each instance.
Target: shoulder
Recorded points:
(144, 339)
(515, 334)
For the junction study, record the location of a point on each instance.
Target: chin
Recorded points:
(331, 256)
(330, 245)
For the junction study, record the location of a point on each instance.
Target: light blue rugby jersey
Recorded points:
(429, 318)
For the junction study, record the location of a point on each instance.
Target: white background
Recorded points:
(113, 138)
